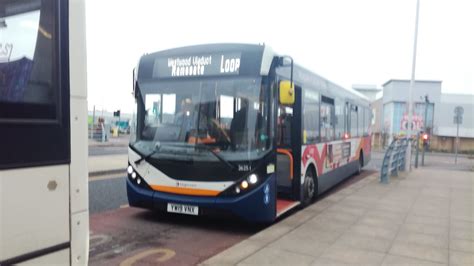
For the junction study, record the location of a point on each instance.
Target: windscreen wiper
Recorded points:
(216, 154)
(146, 157)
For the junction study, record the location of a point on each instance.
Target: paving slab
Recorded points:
(417, 251)
(297, 244)
(407, 261)
(274, 256)
(349, 255)
(355, 240)
(463, 245)
(461, 258)
(437, 241)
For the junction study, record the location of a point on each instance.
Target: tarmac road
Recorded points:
(126, 236)
(99, 151)
(107, 194)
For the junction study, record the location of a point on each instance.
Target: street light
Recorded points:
(425, 129)
(410, 91)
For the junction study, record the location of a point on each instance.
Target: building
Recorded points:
(445, 130)
(426, 95)
(433, 112)
(370, 91)
(378, 139)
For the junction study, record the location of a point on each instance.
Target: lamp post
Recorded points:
(458, 111)
(410, 91)
(427, 102)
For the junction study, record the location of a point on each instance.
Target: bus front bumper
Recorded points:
(257, 205)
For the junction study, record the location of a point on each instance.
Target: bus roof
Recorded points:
(206, 60)
(232, 59)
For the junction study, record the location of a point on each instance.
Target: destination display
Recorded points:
(197, 65)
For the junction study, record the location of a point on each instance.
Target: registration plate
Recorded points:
(183, 209)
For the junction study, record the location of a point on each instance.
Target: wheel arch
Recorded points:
(312, 167)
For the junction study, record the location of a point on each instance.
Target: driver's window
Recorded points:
(169, 108)
(153, 108)
(160, 108)
(226, 111)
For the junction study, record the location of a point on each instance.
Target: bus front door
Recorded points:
(286, 198)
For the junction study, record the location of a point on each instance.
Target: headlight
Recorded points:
(129, 169)
(253, 179)
(134, 175)
(244, 185)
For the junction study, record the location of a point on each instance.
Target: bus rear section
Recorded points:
(43, 124)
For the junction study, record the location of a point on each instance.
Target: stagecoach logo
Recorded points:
(185, 185)
(197, 65)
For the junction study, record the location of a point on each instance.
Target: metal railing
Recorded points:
(394, 159)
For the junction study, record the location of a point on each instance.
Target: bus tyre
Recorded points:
(361, 163)
(309, 187)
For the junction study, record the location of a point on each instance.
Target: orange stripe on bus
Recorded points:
(186, 191)
(288, 153)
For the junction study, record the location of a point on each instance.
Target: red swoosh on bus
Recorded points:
(312, 151)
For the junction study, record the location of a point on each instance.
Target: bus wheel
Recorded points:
(309, 187)
(361, 162)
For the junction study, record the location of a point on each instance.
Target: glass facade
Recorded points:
(396, 117)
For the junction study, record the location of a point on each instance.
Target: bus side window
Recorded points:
(327, 119)
(340, 118)
(360, 121)
(354, 121)
(311, 115)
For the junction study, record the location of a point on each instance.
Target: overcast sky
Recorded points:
(346, 41)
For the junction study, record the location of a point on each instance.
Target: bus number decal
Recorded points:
(244, 168)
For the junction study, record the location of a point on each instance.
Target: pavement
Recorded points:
(425, 217)
(120, 141)
(108, 164)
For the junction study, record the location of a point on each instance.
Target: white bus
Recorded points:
(43, 133)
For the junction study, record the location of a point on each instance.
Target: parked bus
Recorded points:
(44, 216)
(237, 129)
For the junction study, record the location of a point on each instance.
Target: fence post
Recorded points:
(384, 171)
